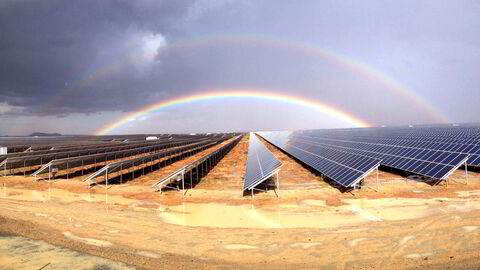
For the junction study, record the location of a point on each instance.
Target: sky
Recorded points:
(75, 67)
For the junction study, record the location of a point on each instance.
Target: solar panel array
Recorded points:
(433, 152)
(431, 163)
(81, 161)
(197, 166)
(261, 163)
(342, 166)
(130, 163)
(454, 140)
(22, 160)
(21, 144)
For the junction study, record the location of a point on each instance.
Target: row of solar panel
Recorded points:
(389, 140)
(330, 153)
(261, 163)
(444, 134)
(343, 167)
(430, 163)
(412, 149)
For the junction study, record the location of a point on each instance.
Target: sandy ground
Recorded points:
(312, 225)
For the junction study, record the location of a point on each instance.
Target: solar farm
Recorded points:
(218, 188)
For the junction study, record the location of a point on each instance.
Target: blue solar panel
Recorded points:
(261, 163)
(343, 167)
(464, 140)
(431, 163)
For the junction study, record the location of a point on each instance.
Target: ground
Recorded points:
(403, 224)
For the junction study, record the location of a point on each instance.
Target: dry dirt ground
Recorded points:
(312, 225)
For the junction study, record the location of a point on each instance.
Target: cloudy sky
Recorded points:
(77, 66)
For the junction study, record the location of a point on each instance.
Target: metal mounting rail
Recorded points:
(43, 168)
(4, 165)
(209, 161)
(125, 164)
(97, 173)
(176, 174)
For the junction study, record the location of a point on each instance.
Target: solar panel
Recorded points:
(343, 167)
(470, 149)
(431, 163)
(261, 163)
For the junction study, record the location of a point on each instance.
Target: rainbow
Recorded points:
(315, 105)
(357, 67)
(362, 69)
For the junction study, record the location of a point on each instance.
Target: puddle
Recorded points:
(248, 216)
(353, 212)
(23, 253)
(305, 214)
(60, 195)
(407, 208)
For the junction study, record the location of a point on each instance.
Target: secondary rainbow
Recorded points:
(411, 98)
(358, 67)
(342, 116)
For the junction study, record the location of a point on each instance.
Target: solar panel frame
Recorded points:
(261, 164)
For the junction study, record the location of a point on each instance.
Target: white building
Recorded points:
(151, 138)
(3, 150)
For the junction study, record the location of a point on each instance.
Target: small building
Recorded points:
(3, 150)
(152, 138)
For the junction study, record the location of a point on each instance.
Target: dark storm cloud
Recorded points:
(63, 58)
(49, 47)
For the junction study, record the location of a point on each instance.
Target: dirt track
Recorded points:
(407, 224)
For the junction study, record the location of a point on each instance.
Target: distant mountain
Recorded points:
(41, 134)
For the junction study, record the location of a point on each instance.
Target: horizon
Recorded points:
(425, 125)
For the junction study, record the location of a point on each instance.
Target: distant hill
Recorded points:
(41, 134)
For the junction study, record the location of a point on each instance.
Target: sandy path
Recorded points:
(413, 232)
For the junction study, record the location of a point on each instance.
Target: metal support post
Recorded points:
(278, 183)
(466, 172)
